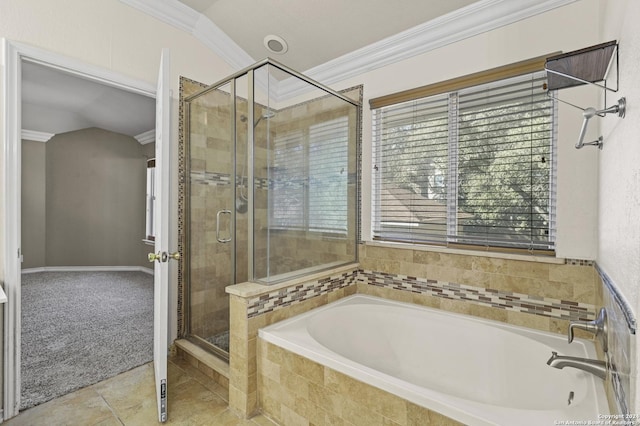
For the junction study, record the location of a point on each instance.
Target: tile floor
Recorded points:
(129, 399)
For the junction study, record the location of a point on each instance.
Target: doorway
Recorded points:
(17, 56)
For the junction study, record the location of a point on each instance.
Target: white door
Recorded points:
(161, 228)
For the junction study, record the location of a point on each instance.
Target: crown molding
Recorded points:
(170, 11)
(146, 137)
(477, 18)
(195, 23)
(217, 40)
(32, 135)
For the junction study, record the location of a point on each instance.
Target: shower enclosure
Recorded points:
(271, 190)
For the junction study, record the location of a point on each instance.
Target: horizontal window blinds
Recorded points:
(287, 190)
(328, 173)
(309, 178)
(411, 162)
(475, 166)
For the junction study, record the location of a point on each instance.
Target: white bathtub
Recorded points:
(476, 371)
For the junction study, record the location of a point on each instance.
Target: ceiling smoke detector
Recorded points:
(275, 44)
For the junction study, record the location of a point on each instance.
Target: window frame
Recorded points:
(454, 86)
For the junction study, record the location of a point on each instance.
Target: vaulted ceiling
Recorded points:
(318, 31)
(54, 101)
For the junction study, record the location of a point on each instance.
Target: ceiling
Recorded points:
(317, 32)
(54, 101)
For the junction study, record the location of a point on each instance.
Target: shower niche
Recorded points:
(268, 192)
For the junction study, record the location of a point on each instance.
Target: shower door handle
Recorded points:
(218, 216)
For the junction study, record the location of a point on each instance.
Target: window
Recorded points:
(309, 175)
(474, 166)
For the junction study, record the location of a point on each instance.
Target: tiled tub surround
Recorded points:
(480, 372)
(507, 300)
(254, 306)
(535, 284)
(297, 391)
(621, 342)
(532, 287)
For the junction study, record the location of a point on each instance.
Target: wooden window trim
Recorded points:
(470, 80)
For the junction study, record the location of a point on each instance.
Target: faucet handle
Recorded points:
(598, 327)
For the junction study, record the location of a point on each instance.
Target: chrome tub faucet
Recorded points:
(599, 328)
(595, 367)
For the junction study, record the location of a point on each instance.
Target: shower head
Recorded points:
(266, 115)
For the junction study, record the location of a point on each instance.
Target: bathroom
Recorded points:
(596, 189)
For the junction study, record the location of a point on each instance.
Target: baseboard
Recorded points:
(88, 269)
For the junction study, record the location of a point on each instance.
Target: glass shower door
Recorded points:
(212, 214)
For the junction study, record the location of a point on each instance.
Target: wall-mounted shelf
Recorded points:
(584, 66)
(590, 65)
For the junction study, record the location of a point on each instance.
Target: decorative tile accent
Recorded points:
(261, 183)
(210, 178)
(518, 302)
(215, 178)
(579, 262)
(287, 296)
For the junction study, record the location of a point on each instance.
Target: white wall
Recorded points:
(564, 29)
(112, 35)
(619, 182)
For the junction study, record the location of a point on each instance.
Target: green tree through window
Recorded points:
(474, 166)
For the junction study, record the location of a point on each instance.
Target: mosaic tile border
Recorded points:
(210, 178)
(299, 293)
(216, 178)
(517, 302)
(579, 262)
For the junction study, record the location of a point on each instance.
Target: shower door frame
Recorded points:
(185, 240)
